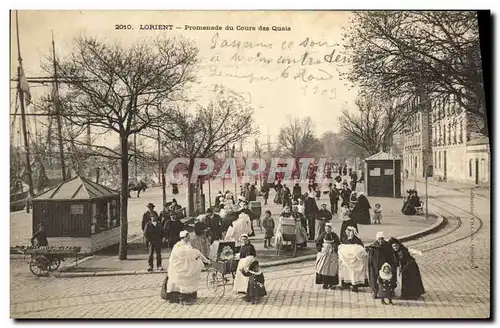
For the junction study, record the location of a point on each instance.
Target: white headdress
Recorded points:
(380, 234)
(183, 233)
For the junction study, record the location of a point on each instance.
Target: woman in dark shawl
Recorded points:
(411, 280)
(379, 252)
(361, 211)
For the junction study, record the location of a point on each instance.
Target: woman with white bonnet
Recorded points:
(184, 270)
(353, 261)
(200, 239)
(247, 256)
(327, 259)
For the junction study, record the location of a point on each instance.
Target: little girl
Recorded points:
(385, 286)
(377, 214)
(268, 225)
(256, 288)
(344, 212)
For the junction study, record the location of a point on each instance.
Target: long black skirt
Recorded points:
(327, 280)
(411, 285)
(176, 297)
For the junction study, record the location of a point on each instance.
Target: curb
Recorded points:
(441, 222)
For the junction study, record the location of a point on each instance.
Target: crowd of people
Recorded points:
(342, 261)
(348, 264)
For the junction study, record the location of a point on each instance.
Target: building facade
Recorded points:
(444, 138)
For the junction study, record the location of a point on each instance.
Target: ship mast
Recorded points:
(23, 110)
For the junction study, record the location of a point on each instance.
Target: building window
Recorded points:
(460, 133)
(470, 168)
(444, 134)
(483, 169)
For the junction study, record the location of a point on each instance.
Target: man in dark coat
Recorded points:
(215, 225)
(334, 195)
(380, 252)
(345, 194)
(265, 192)
(286, 196)
(311, 212)
(171, 228)
(146, 218)
(297, 192)
(153, 233)
(252, 193)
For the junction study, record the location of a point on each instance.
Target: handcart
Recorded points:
(222, 269)
(43, 260)
(287, 233)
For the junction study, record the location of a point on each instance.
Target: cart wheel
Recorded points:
(294, 248)
(55, 264)
(40, 265)
(216, 282)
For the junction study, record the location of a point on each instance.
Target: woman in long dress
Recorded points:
(411, 280)
(361, 211)
(327, 259)
(353, 261)
(184, 270)
(247, 256)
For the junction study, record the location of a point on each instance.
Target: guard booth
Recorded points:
(383, 175)
(79, 212)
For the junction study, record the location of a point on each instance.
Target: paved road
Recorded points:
(457, 283)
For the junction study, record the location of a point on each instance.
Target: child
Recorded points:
(256, 288)
(344, 212)
(377, 214)
(268, 225)
(385, 287)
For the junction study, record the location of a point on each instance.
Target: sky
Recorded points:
(289, 71)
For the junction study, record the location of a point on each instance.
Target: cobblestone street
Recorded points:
(456, 276)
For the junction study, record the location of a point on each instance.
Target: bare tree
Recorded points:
(340, 149)
(297, 139)
(123, 90)
(406, 52)
(371, 127)
(204, 132)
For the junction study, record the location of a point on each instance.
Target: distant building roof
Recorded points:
(478, 141)
(380, 156)
(77, 188)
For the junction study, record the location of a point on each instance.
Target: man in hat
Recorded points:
(214, 224)
(311, 214)
(39, 238)
(379, 252)
(146, 218)
(153, 234)
(297, 191)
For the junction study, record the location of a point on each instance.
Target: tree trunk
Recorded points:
(122, 252)
(190, 189)
(163, 184)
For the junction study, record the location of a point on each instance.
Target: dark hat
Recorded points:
(174, 201)
(209, 211)
(167, 204)
(151, 205)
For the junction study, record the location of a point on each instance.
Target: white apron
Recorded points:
(352, 264)
(240, 281)
(184, 268)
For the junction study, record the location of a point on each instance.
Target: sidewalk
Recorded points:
(393, 224)
(480, 190)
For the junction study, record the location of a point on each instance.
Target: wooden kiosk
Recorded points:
(79, 212)
(383, 175)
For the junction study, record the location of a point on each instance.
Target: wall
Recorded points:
(480, 153)
(105, 239)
